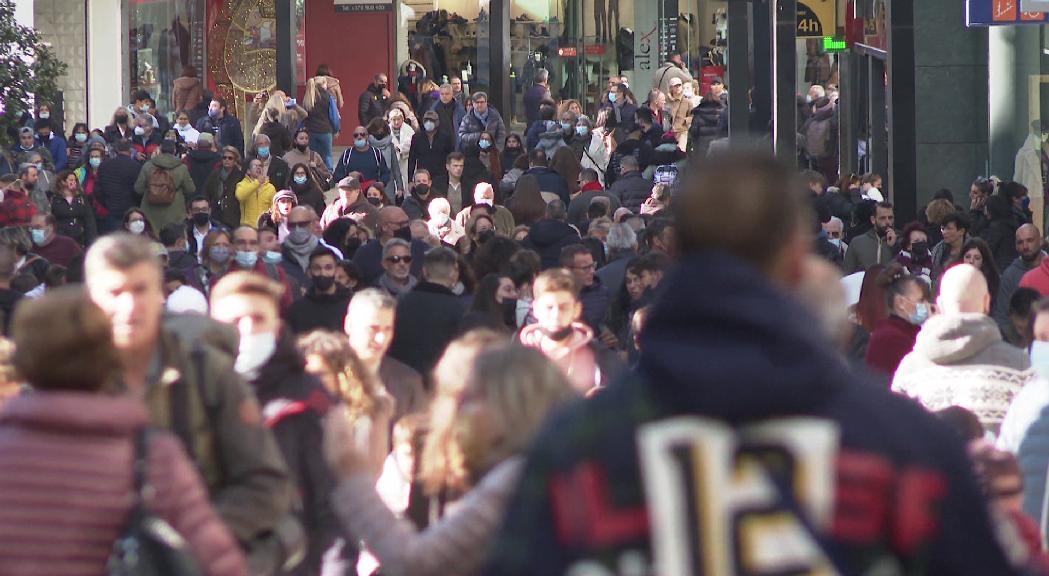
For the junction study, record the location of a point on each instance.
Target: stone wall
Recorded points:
(62, 23)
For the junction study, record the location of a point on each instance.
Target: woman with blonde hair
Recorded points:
(506, 395)
(363, 398)
(321, 124)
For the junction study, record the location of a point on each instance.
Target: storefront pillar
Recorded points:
(785, 75)
(286, 49)
(902, 175)
(499, 92)
(739, 61)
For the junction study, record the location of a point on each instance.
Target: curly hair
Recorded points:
(354, 385)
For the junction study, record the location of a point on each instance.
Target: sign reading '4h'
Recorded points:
(817, 18)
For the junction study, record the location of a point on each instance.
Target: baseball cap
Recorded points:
(676, 82)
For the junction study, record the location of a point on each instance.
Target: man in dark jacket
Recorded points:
(593, 294)
(203, 160)
(293, 402)
(393, 223)
(221, 426)
(324, 305)
(362, 158)
(430, 147)
(374, 101)
(735, 380)
(428, 317)
(549, 180)
(549, 236)
(115, 186)
(222, 125)
(450, 113)
(631, 187)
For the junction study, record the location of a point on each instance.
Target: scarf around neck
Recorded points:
(301, 252)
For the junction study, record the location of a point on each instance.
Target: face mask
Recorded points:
(201, 219)
(219, 254)
(263, 151)
(40, 166)
(1040, 357)
(300, 179)
(45, 115)
(509, 307)
(94, 162)
(299, 236)
(213, 113)
(1026, 202)
(582, 130)
(80, 137)
(271, 257)
(247, 259)
(323, 283)
(360, 142)
(121, 119)
(404, 233)
(836, 242)
(920, 249)
(429, 126)
(144, 108)
(808, 99)
(139, 131)
(350, 246)
(374, 201)
(612, 97)
(921, 314)
(255, 350)
(38, 236)
(566, 126)
(137, 227)
(485, 236)
(559, 334)
(484, 144)
(302, 147)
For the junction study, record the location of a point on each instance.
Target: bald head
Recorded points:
(391, 219)
(1028, 242)
(963, 290)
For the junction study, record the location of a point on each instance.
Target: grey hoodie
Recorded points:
(551, 139)
(961, 360)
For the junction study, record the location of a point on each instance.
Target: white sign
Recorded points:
(1034, 5)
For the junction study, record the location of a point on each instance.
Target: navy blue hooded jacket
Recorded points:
(724, 350)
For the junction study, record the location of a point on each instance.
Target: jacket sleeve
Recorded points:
(364, 104)
(257, 490)
(182, 500)
(143, 178)
(246, 187)
(384, 169)
(467, 135)
(317, 483)
(413, 158)
(340, 168)
(90, 226)
(852, 261)
(456, 544)
(189, 188)
(61, 155)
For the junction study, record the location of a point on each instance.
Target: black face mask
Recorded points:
(485, 236)
(323, 283)
(920, 249)
(302, 147)
(121, 119)
(374, 201)
(350, 246)
(201, 218)
(404, 233)
(509, 307)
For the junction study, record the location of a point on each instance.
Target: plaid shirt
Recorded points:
(16, 209)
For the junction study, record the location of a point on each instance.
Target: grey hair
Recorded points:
(621, 237)
(371, 298)
(394, 243)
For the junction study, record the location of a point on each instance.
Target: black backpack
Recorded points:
(149, 545)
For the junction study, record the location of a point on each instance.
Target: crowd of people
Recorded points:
(601, 346)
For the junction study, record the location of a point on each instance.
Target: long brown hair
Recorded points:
(354, 385)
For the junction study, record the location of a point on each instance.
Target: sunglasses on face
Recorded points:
(360, 133)
(228, 158)
(399, 259)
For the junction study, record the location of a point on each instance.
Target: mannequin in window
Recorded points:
(1031, 161)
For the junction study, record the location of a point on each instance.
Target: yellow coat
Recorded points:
(254, 200)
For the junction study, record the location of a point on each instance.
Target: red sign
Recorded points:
(568, 52)
(595, 50)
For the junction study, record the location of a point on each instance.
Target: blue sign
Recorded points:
(1000, 13)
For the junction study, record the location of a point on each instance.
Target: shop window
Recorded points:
(164, 36)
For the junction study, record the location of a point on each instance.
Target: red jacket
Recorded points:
(891, 340)
(65, 490)
(16, 209)
(1038, 278)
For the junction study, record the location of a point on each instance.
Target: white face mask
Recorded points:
(137, 227)
(255, 350)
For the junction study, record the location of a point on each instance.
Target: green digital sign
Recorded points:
(832, 44)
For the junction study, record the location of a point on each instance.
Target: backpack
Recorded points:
(161, 187)
(149, 546)
(817, 139)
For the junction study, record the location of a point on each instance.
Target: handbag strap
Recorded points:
(142, 491)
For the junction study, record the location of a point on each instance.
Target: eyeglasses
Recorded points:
(589, 266)
(399, 259)
(300, 224)
(360, 133)
(229, 158)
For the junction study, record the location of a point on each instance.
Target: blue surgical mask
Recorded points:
(429, 126)
(1040, 357)
(921, 314)
(144, 108)
(271, 257)
(300, 179)
(582, 130)
(38, 236)
(485, 144)
(263, 151)
(80, 137)
(360, 142)
(247, 259)
(612, 97)
(566, 126)
(139, 131)
(94, 162)
(219, 254)
(213, 113)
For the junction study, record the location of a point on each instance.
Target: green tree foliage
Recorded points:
(28, 69)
